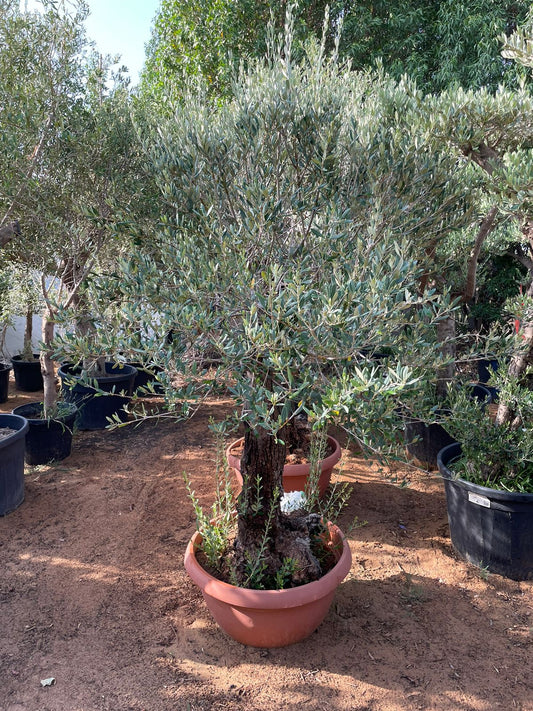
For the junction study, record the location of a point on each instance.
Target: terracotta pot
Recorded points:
(270, 618)
(295, 475)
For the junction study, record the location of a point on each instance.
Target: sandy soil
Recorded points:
(93, 593)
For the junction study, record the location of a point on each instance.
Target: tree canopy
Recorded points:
(436, 43)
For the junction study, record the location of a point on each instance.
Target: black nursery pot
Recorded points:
(95, 408)
(28, 376)
(5, 369)
(424, 442)
(48, 440)
(12, 463)
(491, 529)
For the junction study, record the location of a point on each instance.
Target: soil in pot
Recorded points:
(12, 444)
(297, 467)
(5, 369)
(270, 618)
(492, 529)
(51, 439)
(96, 408)
(28, 376)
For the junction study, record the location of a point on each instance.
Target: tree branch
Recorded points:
(484, 231)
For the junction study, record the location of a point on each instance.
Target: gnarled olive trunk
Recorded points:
(267, 538)
(27, 348)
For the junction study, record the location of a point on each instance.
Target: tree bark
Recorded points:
(485, 156)
(266, 538)
(27, 347)
(47, 365)
(7, 232)
(262, 465)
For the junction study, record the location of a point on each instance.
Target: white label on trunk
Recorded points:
(479, 500)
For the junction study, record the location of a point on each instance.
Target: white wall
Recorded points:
(15, 336)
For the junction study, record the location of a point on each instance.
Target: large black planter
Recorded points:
(5, 369)
(28, 376)
(95, 407)
(12, 463)
(490, 528)
(424, 442)
(48, 440)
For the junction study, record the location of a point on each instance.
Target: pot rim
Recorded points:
(71, 408)
(453, 452)
(19, 359)
(291, 469)
(124, 372)
(23, 426)
(269, 599)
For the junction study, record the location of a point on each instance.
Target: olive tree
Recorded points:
(287, 250)
(74, 173)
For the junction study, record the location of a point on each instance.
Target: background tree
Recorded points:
(209, 38)
(74, 174)
(436, 44)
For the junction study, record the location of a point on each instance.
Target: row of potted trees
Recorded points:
(28, 436)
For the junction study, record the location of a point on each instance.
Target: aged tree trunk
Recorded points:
(27, 348)
(296, 434)
(484, 230)
(266, 537)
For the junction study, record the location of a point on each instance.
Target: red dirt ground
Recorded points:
(93, 593)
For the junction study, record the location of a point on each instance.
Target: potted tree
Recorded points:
(25, 300)
(272, 262)
(488, 474)
(51, 422)
(5, 321)
(69, 235)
